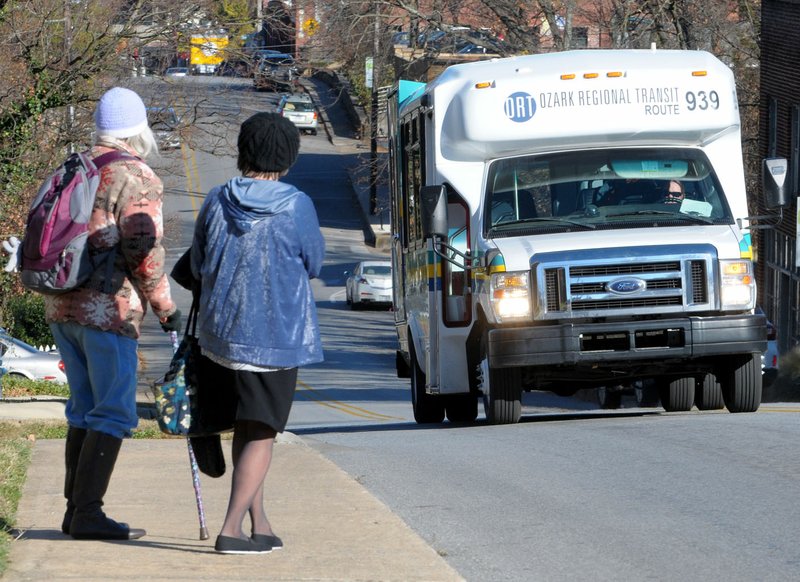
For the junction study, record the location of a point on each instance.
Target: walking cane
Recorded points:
(198, 494)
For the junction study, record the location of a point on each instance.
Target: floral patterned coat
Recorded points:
(128, 214)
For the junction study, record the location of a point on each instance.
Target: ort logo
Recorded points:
(519, 107)
(626, 286)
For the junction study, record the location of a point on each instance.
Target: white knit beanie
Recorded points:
(120, 113)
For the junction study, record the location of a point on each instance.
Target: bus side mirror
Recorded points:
(774, 173)
(434, 211)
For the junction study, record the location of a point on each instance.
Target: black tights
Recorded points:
(252, 455)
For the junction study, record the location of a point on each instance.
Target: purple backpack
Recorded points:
(55, 251)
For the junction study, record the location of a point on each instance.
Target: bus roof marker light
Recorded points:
(699, 73)
(615, 74)
(484, 85)
(590, 75)
(568, 76)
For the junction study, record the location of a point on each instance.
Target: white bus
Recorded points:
(573, 220)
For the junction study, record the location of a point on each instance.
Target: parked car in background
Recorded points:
(234, 68)
(176, 72)
(369, 283)
(401, 38)
(165, 124)
(769, 359)
(276, 72)
(461, 39)
(262, 53)
(22, 359)
(299, 109)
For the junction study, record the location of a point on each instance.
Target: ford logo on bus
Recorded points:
(626, 286)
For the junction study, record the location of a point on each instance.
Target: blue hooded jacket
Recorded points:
(257, 244)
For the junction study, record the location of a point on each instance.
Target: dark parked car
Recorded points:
(165, 125)
(237, 68)
(276, 72)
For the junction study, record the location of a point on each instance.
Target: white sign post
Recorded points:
(368, 73)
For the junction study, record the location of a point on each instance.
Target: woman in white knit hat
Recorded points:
(96, 326)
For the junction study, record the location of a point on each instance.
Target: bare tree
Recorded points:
(58, 57)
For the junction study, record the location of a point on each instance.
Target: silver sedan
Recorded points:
(22, 359)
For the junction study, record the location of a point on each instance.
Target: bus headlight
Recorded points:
(510, 295)
(738, 286)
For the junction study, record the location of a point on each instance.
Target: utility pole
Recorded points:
(70, 120)
(373, 149)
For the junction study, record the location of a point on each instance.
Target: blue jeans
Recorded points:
(101, 370)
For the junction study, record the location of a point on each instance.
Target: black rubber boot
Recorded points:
(72, 452)
(96, 463)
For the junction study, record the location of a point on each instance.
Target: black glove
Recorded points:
(172, 322)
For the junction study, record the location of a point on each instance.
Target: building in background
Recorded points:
(779, 136)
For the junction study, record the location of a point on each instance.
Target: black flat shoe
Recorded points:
(273, 541)
(229, 545)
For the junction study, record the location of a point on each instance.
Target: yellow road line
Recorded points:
(764, 409)
(341, 406)
(192, 175)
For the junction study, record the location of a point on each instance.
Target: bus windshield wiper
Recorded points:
(545, 219)
(696, 218)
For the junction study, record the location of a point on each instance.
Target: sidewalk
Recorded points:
(332, 528)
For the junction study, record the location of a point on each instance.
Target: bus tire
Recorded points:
(742, 383)
(401, 365)
(646, 393)
(428, 409)
(677, 394)
(461, 407)
(608, 399)
(502, 390)
(708, 394)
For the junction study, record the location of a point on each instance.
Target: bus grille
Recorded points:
(604, 287)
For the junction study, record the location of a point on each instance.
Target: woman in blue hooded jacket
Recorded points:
(257, 244)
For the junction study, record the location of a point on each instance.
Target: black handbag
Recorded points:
(185, 405)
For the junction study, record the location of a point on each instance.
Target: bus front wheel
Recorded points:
(502, 390)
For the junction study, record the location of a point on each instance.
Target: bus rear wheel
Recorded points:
(428, 409)
(677, 394)
(609, 398)
(461, 407)
(742, 383)
(708, 394)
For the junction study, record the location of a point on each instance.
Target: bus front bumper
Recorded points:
(585, 343)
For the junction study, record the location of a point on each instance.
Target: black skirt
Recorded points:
(265, 397)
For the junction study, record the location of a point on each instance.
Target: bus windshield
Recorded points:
(603, 189)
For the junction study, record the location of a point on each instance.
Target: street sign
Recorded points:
(368, 73)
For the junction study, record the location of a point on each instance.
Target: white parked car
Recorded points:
(299, 109)
(177, 72)
(369, 283)
(21, 359)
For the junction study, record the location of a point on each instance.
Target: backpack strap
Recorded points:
(99, 162)
(113, 156)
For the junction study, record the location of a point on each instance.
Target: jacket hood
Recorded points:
(246, 201)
